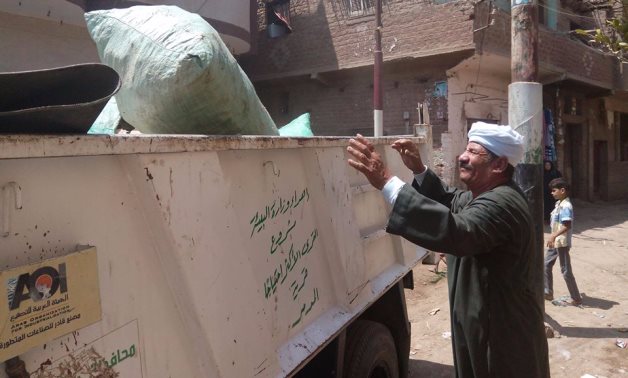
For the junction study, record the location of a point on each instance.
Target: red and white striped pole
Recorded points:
(378, 100)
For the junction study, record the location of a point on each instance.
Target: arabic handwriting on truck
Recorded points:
(306, 308)
(276, 241)
(270, 285)
(277, 207)
(296, 288)
(290, 257)
(281, 272)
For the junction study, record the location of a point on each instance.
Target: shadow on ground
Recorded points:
(599, 215)
(428, 369)
(585, 332)
(593, 302)
(587, 302)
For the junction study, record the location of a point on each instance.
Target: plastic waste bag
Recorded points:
(107, 120)
(299, 127)
(177, 74)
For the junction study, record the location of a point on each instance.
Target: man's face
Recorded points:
(475, 166)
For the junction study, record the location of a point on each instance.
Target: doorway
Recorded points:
(574, 158)
(623, 137)
(600, 168)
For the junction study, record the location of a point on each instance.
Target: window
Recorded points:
(278, 18)
(623, 137)
(548, 15)
(573, 105)
(440, 89)
(356, 8)
(503, 5)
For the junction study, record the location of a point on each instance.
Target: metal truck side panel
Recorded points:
(217, 257)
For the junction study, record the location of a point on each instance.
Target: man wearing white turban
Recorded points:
(495, 275)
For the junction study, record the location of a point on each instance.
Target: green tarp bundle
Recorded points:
(177, 74)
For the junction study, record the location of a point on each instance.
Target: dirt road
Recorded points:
(588, 334)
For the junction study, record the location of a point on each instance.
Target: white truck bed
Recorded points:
(216, 256)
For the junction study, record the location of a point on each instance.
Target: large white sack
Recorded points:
(177, 74)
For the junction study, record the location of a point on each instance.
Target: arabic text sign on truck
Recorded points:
(216, 256)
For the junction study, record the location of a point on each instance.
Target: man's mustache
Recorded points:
(464, 166)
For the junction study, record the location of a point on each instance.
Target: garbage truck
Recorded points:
(199, 256)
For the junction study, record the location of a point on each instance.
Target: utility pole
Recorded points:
(525, 110)
(378, 101)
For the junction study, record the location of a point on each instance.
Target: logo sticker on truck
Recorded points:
(48, 299)
(43, 283)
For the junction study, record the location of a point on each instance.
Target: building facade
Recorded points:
(453, 55)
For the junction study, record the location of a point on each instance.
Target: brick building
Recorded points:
(453, 55)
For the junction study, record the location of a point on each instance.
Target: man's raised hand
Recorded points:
(368, 161)
(410, 155)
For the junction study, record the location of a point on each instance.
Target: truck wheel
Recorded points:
(370, 351)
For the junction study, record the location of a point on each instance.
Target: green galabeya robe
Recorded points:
(495, 276)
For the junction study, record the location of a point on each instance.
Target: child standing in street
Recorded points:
(559, 243)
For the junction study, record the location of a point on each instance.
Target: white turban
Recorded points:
(500, 140)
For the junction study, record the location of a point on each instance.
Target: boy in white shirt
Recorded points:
(559, 243)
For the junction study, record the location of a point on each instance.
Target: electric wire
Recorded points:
(552, 9)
